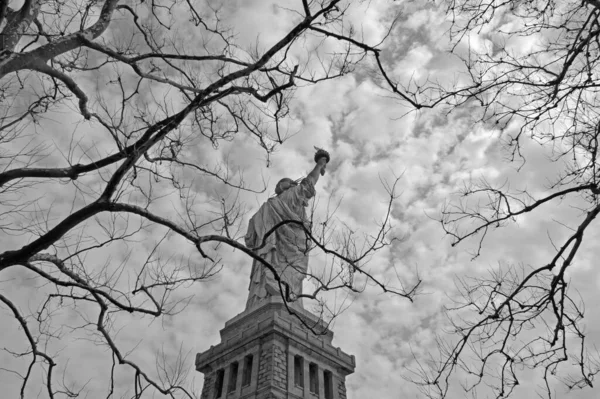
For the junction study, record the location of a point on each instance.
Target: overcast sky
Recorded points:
(371, 136)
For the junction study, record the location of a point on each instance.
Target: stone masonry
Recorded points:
(341, 390)
(265, 353)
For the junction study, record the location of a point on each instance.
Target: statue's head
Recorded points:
(284, 184)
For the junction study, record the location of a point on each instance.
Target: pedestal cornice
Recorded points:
(272, 317)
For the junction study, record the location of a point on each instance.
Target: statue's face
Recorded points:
(284, 184)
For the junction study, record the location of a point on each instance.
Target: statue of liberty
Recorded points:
(285, 248)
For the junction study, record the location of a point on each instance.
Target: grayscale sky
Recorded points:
(372, 136)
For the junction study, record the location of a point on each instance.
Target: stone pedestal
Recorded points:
(265, 353)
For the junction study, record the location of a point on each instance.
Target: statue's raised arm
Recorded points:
(286, 248)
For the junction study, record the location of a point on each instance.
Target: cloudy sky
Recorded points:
(371, 137)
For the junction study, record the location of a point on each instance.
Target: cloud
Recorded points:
(372, 137)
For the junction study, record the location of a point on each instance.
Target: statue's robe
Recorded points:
(286, 248)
